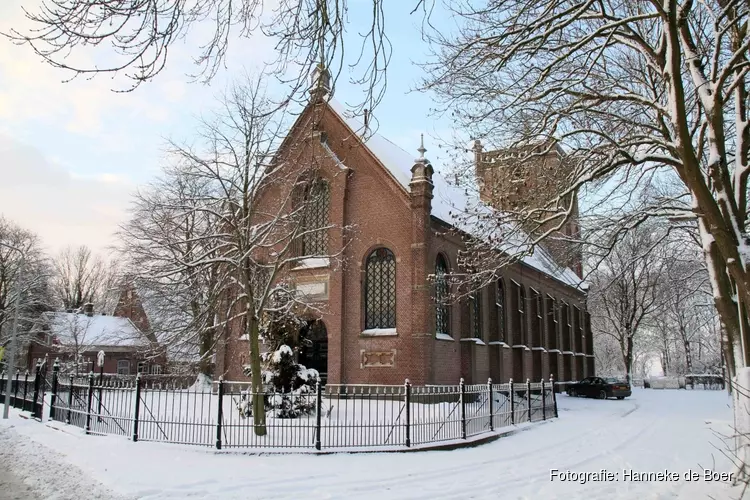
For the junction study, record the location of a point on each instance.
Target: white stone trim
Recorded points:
(379, 332)
(473, 339)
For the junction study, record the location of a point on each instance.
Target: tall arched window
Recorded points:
(313, 201)
(442, 318)
(500, 304)
(380, 289)
(522, 314)
(476, 314)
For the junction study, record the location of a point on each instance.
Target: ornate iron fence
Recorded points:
(335, 416)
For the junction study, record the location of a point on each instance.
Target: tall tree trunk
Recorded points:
(256, 377)
(206, 346)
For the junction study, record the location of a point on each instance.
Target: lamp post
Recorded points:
(14, 333)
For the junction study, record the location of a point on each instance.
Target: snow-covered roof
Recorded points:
(449, 201)
(96, 330)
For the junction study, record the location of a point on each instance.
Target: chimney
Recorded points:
(88, 309)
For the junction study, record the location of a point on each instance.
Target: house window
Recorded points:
(123, 367)
(500, 305)
(476, 314)
(155, 369)
(142, 368)
(442, 318)
(315, 201)
(380, 289)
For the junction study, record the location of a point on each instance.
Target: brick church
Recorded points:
(379, 317)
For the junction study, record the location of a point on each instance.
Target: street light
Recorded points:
(14, 332)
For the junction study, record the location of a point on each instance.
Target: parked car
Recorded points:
(600, 388)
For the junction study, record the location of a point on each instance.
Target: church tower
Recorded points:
(526, 181)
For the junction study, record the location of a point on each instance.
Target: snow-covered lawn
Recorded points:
(653, 431)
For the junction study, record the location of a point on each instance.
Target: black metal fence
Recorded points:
(327, 417)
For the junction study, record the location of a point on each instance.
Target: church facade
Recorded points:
(379, 318)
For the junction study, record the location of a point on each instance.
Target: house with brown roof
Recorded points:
(384, 318)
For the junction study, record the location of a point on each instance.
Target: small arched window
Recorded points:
(380, 289)
(442, 317)
(500, 304)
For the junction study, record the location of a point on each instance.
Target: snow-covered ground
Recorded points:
(654, 431)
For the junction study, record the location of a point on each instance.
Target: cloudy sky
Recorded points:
(71, 154)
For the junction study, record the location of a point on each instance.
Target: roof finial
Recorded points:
(421, 148)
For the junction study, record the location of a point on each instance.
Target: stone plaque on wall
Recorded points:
(373, 359)
(313, 290)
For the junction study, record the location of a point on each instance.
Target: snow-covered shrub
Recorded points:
(291, 386)
(294, 385)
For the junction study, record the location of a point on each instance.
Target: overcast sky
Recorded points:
(71, 154)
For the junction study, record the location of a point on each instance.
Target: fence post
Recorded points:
(55, 371)
(137, 410)
(511, 394)
(462, 386)
(554, 396)
(15, 391)
(318, 411)
(221, 413)
(25, 390)
(70, 401)
(37, 382)
(528, 396)
(407, 393)
(90, 400)
(489, 392)
(544, 402)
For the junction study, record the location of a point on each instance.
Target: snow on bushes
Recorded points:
(290, 387)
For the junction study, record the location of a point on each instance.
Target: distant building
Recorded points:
(76, 337)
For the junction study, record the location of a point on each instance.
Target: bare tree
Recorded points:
(625, 289)
(633, 93)
(259, 203)
(82, 277)
(35, 296)
(136, 37)
(165, 236)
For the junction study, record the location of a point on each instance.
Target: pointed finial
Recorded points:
(421, 148)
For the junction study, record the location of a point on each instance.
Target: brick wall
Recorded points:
(382, 214)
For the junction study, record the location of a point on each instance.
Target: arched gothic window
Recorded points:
(380, 289)
(476, 314)
(500, 304)
(314, 201)
(442, 316)
(522, 314)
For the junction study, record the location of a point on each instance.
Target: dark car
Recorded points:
(600, 388)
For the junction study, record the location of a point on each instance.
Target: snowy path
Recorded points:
(650, 432)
